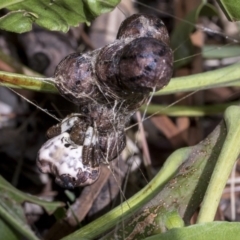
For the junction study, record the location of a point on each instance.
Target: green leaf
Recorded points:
(231, 8)
(173, 220)
(6, 3)
(223, 168)
(54, 15)
(205, 231)
(128, 208)
(181, 195)
(19, 21)
(99, 7)
(8, 232)
(190, 170)
(6, 189)
(227, 76)
(27, 82)
(189, 111)
(12, 213)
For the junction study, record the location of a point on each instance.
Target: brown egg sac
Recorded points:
(146, 64)
(106, 68)
(74, 79)
(143, 25)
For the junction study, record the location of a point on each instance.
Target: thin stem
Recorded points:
(224, 165)
(189, 111)
(227, 76)
(27, 82)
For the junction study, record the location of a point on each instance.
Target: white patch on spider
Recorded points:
(67, 123)
(63, 158)
(90, 137)
(64, 154)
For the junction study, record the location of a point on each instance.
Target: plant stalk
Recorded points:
(227, 158)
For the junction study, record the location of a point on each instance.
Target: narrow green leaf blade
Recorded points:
(27, 82)
(12, 213)
(6, 189)
(7, 232)
(205, 231)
